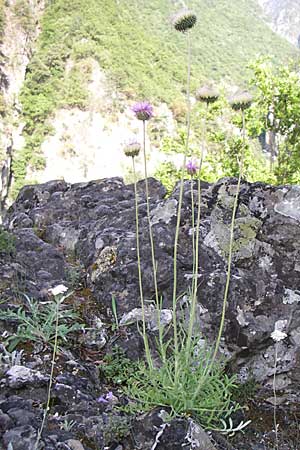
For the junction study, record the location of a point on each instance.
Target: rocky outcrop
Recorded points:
(21, 27)
(83, 235)
(284, 18)
(94, 223)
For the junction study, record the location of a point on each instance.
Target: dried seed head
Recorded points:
(184, 20)
(207, 94)
(241, 101)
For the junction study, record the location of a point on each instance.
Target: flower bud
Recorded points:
(191, 167)
(132, 149)
(184, 20)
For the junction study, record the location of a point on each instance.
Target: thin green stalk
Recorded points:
(175, 327)
(195, 265)
(148, 216)
(229, 262)
(145, 338)
(154, 264)
(196, 249)
(193, 224)
(51, 376)
(275, 397)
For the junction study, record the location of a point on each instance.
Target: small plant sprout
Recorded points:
(68, 425)
(37, 322)
(11, 359)
(277, 335)
(115, 313)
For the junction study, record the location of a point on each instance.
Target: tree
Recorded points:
(277, 110)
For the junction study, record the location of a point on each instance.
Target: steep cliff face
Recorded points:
(284, 18)
(20, 28)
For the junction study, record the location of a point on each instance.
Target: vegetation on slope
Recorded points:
(134, 42)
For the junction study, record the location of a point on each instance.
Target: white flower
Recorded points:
(60, 289)
(278, 335)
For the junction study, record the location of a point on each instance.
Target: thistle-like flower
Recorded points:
(184, 20)
(143, 110)
(207, 94)
(241, 101)
(132, 149)
(191, 167)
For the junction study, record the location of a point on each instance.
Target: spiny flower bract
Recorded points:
(207, 94)
(241, 101)
(132, 148)
(184, 20)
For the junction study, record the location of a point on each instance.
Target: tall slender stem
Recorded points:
(195, 263)
(148, 216)
(196, 244)
(229, 262)
(146, 344)
(275, 396)
(154, 267)
(51, 376)
(175, 328)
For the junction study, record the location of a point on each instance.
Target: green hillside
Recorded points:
(134, 42)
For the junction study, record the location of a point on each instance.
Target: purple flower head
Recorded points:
(102, 399)
(105, 398)
(143, 110)
(109, 396)
(191, 167)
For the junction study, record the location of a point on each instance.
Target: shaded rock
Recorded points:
(74, 444)
(22, 416)
(90, 227)
(21, 438)
(152, 432)
(19, 376)
(5, 422)
(94, 223)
